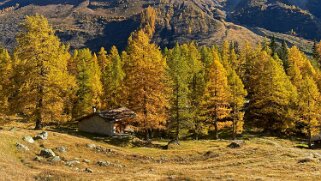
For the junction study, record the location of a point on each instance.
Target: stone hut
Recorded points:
(108, 123)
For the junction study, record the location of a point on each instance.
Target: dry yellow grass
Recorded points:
(259, 159)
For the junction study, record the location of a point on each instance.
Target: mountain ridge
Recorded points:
(97, 23)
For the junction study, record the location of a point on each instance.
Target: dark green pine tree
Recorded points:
(283, 55)
(179, 73)
(273, 46)
(315, 53)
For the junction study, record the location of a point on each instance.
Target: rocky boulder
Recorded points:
(307, 160)
(103, 163)
(21, 147)
(55, 159)
(38, 158)
(61, 149)
(41, 136)
(91, 146)
(72, 163)
(86, 161)
(28, 139)
(173, 144)
(236, 144)
(88, 170)
(47, 153)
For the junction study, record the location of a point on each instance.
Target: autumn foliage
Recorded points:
(188, 90)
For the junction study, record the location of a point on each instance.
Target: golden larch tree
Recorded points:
(217, 95)
(145, 81)
(42, 78)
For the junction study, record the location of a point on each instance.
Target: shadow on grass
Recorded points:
(71, 128)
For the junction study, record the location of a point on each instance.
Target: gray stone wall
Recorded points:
(96, 125)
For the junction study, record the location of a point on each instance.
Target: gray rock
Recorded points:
(41, 136)
(211, 154)
(88, 170)
(22, 147)
(91, 146)
(38, 158)
(13, 129)
(316, 155)
(307, 160)
(28, 139)
(103, 163)
(61, 149)
(236, 144)
(72, 163)
(86, 161)
(56, 159)
(47, 153)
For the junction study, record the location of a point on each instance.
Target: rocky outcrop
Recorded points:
(41, 136)
(47, 153)
(21, 147)
(28, 139)
(236, 144)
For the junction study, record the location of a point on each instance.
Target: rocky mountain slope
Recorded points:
(96, 23)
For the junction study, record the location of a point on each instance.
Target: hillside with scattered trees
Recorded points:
(248, 110)
(188, 91)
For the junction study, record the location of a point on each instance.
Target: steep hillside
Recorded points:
(278, 16)
(96, 23)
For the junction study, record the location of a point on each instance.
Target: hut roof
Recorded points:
(112, 115)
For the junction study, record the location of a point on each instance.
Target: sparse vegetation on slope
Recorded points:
(263, 158)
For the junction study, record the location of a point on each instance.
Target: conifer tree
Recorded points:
(297, 59)
(89, 83)
(237, 101)
(315, 53)
(273, 46)
(102, 59)
(245, 63)
(309, 106)
(217, 95)
(145, 80)
(196, 82)
(207, 58)
(180, 104)
(272, 95)
(94, 79)
(41, 73)
(225, 53)
(233, 59)
(148, 19)
(238, 92)
(6, 73)
(114, 77)
(283, 54)
(72, 64)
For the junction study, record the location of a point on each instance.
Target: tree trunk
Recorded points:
(309, 140)
(39, 99)
(177, 115)
(38, 124)
(147, 135)
(234, 129)
(38, 113)
(196, 131)
(215, 128)
(309, 125)
(234, 123)
(309, 134)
